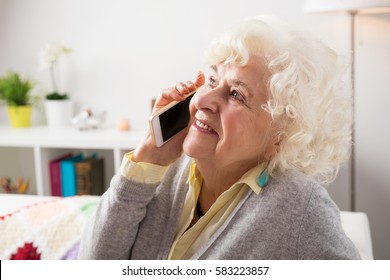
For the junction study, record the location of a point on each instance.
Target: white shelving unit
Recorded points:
(27, 152)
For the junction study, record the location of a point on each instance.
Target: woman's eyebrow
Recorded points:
(235, 82)
(214, 68)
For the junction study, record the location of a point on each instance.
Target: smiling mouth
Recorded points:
(203, 127)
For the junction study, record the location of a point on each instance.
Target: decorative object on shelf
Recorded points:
(15, 91)
(21, 185)
(59, 112)
(58, 105)
(123, 125)
(86, 119)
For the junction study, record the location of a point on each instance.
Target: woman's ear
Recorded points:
(274, 147)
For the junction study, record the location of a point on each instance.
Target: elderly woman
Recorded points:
(270, 122)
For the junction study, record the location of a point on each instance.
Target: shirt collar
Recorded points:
(249, 178)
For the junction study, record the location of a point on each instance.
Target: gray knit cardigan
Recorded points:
(292, 218)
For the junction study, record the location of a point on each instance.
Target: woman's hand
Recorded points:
(166, 154)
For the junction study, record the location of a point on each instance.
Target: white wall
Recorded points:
(372, 126)
(125, 52)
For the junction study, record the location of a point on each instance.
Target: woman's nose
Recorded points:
(206, 99)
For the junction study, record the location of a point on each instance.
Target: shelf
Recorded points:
(27, 152)
(68, 137)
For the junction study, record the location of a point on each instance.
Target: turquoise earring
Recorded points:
(262, 180)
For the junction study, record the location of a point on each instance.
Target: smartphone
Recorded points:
(170, 120)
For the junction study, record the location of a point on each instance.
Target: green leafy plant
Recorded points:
(14, 90)
(56, 96)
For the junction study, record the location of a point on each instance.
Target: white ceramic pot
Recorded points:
(59, 112)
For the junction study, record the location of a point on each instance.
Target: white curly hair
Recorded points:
(310, 102)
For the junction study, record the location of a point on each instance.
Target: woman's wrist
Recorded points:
(149, 155)
(146, 151)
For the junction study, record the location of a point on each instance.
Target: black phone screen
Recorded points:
(175, 119)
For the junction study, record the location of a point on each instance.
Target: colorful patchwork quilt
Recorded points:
(48, 230)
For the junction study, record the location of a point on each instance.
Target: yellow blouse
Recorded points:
(187, 242)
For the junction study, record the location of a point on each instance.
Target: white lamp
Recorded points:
(352, 7)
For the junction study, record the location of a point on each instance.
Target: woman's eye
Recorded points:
(236, 95)
(212, 82)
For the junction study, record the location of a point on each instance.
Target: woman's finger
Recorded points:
(179, 91)
(200, 79)
(182, 88)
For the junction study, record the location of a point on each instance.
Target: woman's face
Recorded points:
(229, 127)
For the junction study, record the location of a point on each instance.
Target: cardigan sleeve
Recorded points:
(112, 229)
(321, 234)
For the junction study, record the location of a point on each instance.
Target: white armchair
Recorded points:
(357, 228)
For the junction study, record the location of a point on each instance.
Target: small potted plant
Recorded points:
(58, 105)
(15, 91)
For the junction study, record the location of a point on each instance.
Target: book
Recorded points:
(68, 175)
(90, 176)
(55, 175)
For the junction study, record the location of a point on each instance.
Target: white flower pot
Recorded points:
(59, 112)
